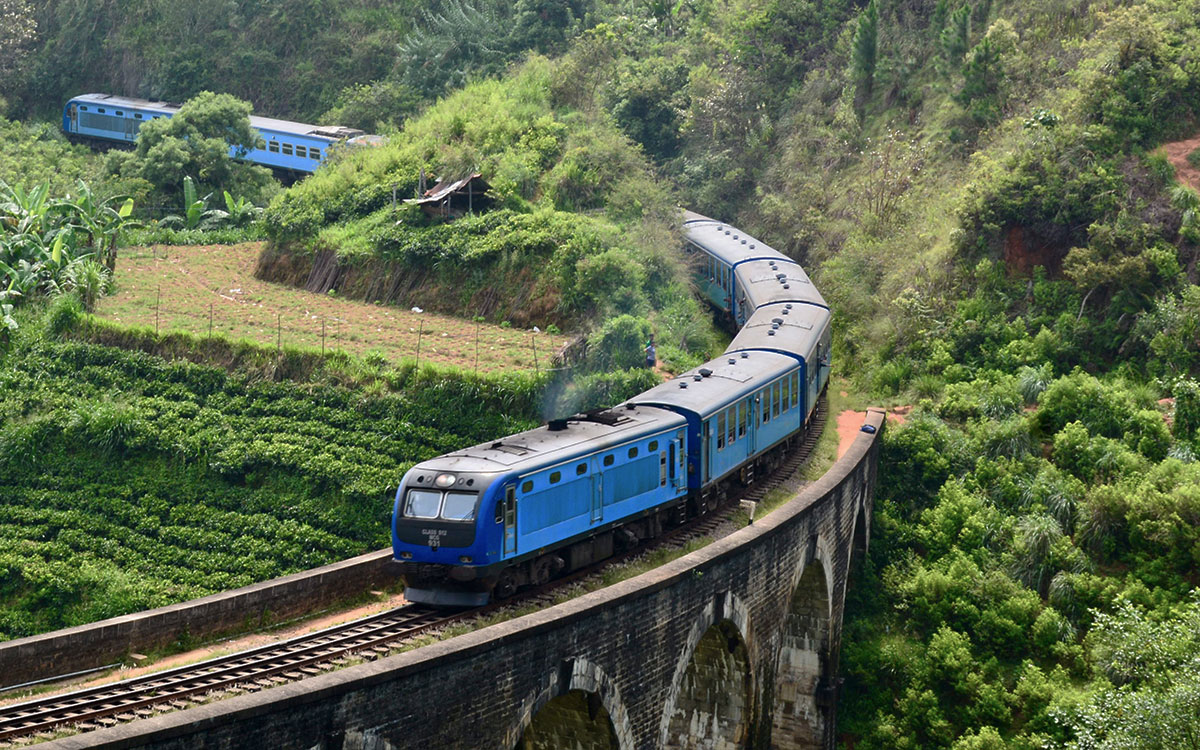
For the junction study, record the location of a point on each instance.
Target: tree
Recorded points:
(17, 28)
(196, 142)
(866, 44)
(1156, 667)
(956, 36)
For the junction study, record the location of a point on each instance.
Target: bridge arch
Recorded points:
(800, 712)
(578, 706)
(710, 702)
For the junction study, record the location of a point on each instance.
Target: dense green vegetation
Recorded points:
(973, 184)
(579, 229)
(132, 481)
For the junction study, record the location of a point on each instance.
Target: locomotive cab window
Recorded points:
(422, 503)
(459, 506)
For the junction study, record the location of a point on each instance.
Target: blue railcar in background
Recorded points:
(528, 507)
(283, 145)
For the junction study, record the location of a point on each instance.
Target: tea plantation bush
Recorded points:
(131, 482)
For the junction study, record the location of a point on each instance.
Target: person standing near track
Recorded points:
(651, 354)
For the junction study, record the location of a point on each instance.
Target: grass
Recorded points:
(198, 289)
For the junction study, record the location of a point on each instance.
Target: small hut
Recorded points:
(451, 199)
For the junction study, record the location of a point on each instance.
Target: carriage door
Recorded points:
(510, 520)
(706, 451)
(597, 490)
(674, 460)
(74, 118)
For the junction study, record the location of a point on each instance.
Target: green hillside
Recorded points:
(976, 187)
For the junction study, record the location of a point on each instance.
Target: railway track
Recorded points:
(315, 653)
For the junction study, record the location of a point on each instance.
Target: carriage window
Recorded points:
(555, 476)
(499, 511)
(422, 503)
(581, 469)
(653, 446)
(526, 487)
(765, 400)
(138, 115)
(720, 430)
(459, 506)
(795, 388)
(730, 415)
(273, 147)
(101, 110)
(608, 460)
(314, 154)
(783, 398)
(119, 113)
(775, 399)
(633, 452)
(287, 149)
(743, 407)
(301, 151)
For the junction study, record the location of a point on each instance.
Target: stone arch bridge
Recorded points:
(732, 646)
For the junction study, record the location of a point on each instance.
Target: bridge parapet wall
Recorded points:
(733, 645)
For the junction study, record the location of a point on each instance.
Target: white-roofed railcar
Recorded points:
(528, 507)
(283, 144)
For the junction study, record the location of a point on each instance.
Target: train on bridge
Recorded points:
(484, 521)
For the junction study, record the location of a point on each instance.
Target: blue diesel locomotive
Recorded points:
(283, 145)
(489, 519)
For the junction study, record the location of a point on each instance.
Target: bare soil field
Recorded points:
(1177, 154)
(205, 289)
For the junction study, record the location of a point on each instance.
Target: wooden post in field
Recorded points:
(420, 331)
(278, 332)
(157, 304)
(477, 347)
(210, 319)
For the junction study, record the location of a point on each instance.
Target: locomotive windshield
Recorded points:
(452, 506)
(423, 504)
(459, 506)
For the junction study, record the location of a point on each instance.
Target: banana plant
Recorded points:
(240, 212)
(97, 222)
(196, 212)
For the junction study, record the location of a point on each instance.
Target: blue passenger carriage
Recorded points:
(283, 145)
(738, 407)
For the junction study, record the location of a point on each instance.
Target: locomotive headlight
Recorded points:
(444, 481)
